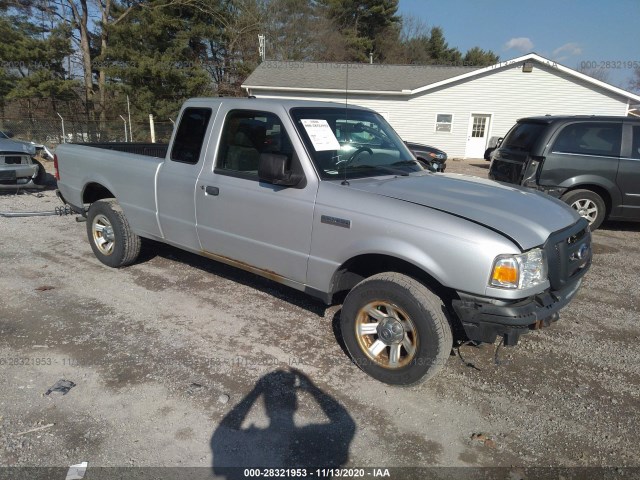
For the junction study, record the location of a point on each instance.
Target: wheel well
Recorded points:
(604, 194)
(358, 268)
(94, 192)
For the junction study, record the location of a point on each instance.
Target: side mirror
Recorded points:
(499, 142)
(272, 168)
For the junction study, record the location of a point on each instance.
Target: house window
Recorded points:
(444, 122)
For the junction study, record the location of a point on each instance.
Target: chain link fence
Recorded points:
(53, 131)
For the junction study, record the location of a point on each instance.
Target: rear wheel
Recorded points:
(396, 329)
(110, 235)
(588, 204)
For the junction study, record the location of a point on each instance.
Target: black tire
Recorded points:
(41, 175)
(394, 295)
(588, 204)
(110, 236)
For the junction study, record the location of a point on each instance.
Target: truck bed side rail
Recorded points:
(149, 149)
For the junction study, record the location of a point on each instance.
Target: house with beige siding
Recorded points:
(456, 108)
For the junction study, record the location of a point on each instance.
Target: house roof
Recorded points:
(362, 76)
(381, 79)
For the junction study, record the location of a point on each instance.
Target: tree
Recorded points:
(597, 73)
(476, 57)
(362, 22)
(34, 56)
(634, 83)
(291, 28)
(156, 57)
(438, 49)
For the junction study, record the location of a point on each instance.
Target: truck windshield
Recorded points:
(352, 143)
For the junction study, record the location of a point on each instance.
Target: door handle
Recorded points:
(209, 190)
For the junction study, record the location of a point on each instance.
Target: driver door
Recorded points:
(251, 224)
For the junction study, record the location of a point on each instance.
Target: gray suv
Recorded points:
(590, 162)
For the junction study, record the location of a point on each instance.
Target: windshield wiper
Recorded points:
(394, 171)
(412, 163)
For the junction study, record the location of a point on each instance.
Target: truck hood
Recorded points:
(525, 216)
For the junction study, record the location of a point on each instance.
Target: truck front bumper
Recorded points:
(485, 318)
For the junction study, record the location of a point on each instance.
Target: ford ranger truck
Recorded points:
(328, 200)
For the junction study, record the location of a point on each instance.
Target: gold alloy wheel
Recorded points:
(103, 235)
(386, 334)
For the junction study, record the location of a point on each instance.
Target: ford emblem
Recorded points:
(582, 252)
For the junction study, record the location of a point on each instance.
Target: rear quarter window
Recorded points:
(523, 136)
(600, 139)
(187, 144)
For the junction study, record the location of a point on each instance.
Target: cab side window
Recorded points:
(600, 139)
(635, 143)
(187, 144)
(245, 136)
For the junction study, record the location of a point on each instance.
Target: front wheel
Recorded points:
(588, 204)
(110, 235)
(396, 329)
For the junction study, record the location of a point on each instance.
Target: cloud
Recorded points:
(523, 44)
(570, 48)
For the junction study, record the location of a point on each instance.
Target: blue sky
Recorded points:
(567, 31)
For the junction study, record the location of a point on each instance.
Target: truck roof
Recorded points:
(253, 102)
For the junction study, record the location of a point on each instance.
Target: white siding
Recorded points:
(506, 93)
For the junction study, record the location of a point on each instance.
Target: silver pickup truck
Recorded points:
(329, 200)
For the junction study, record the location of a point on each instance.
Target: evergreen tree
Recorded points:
(438, 49)
(34, 58)
(292, 28)
(156, 57)
(362, 22)
(476, 57)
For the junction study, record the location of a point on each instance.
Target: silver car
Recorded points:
(17, 165)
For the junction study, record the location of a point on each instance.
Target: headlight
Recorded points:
(519, 271)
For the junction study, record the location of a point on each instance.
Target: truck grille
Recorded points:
(568, 254)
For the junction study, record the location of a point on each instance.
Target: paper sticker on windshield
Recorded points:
(321, 135)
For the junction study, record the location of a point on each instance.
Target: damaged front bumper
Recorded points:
(484, 319)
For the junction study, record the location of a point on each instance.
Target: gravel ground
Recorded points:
(180, 361)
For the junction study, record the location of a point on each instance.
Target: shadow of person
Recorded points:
(282, 443)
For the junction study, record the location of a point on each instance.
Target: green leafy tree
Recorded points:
(156, 57)
(291, 29)
(477, 57)
(34, 58)
(362, 22)
(438, 49)
(423, 46)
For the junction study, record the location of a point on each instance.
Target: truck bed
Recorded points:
(149, 149)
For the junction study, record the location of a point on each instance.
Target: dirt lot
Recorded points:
(180, 361)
